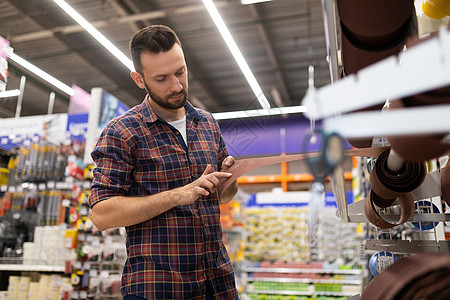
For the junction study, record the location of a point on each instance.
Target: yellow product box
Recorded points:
(13, 287)
(70, 238)
(33, 290)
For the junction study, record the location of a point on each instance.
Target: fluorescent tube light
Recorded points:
(220, 24)
(10, 93)
(47, 77)
(245, 2)
(259, 112)
(95, 34)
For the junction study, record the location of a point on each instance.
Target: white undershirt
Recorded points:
(180, 125)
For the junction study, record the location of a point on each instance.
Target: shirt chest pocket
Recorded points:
(161, 168)
(204, 150)
(203, 156)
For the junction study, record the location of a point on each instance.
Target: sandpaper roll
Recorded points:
(388, 184)
(419, 148)
(365, 142)
(406, 202)
(381, 202)
(374, 19)
(242, 166)
(445, 183)
(424, 276)
(370, 32)
(373, 30)
(355, 58)
(433, 97)
(360, 142)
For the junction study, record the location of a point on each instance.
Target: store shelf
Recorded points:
(429, 188)
(68, 184)
(280, 178)
(303, 270)
(280, 292)
(435, 217)
(303, 280)
(282, 285)
(236, 229)
(31, 268)
(301, 293)
(404, 246)
(422, 68)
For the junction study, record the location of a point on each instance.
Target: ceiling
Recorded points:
(279, 40)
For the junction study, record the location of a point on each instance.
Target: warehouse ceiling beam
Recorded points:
(267, 41)
(114, 72)
(131, 18)
(123, 12)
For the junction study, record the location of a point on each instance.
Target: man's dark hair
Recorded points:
(153, 39)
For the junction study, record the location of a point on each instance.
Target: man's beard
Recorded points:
(165, 103)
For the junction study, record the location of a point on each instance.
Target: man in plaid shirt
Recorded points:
(157, 170)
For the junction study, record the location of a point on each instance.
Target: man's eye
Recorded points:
(161, 80)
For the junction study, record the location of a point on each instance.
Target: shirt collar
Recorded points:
(149, 116)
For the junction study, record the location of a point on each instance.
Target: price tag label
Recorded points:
(65, 203)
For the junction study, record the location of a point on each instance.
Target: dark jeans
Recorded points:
(132, 297)
(209, 294)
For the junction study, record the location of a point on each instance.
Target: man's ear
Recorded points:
(138, 79)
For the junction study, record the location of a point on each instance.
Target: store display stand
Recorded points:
(422, 68)
(307, 286)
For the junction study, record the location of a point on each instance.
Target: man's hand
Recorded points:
(233, 188)
(227, 162)
(207, 183)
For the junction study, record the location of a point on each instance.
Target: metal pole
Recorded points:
(330, 26)
(23, 79)
(51, 103)
(394, 161)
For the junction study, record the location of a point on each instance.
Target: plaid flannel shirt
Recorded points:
(173, 254)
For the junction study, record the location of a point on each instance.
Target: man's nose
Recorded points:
(176, 85)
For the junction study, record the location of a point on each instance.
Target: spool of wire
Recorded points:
(380, 261)
(424, 206)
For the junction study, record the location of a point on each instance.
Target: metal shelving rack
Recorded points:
(32, 268)
(310, 291)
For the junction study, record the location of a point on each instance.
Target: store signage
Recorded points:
(27, 130)
(293, 198)
(5, 48)
(80, 102)
(5, 52)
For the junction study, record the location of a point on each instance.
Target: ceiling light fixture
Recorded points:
(223, 29)
(10, 93)
(47, 77)
(259, 112)
(96, 34)
(245, 2)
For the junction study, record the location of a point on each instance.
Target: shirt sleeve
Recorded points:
(222, 148)
(114, 165)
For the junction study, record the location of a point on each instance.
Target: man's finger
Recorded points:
(228, 161)
(201, 191)
(222, 174)
(207, 170)
(207, 184)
